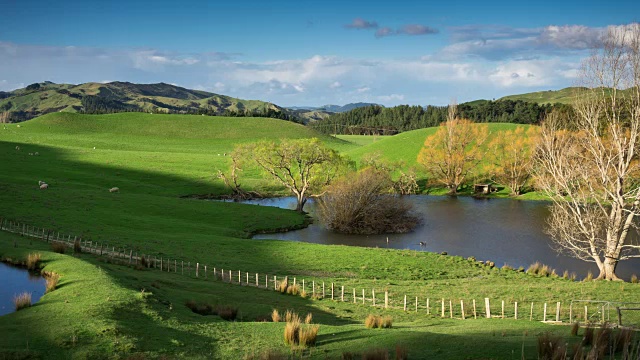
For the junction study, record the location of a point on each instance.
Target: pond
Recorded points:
(16, 281)
(504, 231)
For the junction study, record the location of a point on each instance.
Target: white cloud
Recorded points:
(363, 89)
(394, 98)
(335, 85)
(532, 73)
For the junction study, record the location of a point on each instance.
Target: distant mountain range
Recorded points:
(333, 108)
(41, 98)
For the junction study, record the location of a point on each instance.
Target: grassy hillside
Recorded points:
(563, 96)
(42, 98)
(102, 308)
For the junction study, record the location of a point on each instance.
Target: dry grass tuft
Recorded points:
(401, 353)
(308, 335)
(228, 313)
(22, 301)
(57, 247)
(589, 276)
(267, 355)
(77, 247)
(275, 316)
(634, 279)
(52, 281)
(375, 354)
(293, 290)
(587, 339)
(574, 328)
(551, 347)
(380, 322)
(308, 318)
(33, 261)
(292, 333)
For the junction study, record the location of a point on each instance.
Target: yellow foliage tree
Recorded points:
(512, 154)
(454, 151)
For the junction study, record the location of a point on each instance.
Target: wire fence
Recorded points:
(584, 311)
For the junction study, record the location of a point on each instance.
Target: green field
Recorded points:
(113, 311)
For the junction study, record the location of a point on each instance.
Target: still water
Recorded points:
(16, 281)
(501, 230)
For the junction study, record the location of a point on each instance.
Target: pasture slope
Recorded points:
(103, 310)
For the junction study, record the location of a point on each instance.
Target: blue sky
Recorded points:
(309, 52)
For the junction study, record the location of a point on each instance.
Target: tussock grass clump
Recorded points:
(201, 309)
(284, 285)
(144, 262)
(551, 347)
(308, 335)
(507, 267)
(589, 276)
(372, 321)
(401, 353)
(376, 321)
(77, 247)
(57, 247)
(574, 328)
(275, 316)
(304, 294)
(375, 354)
(565, 275)
(228, 313)
(634, 279)
(33, 261)
(587, 339)
(292, 333)
(293, 290)
(22, 301)
(298, 334)
(52, 281)
(623, 340)
(541, 270)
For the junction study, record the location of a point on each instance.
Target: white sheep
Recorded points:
(36, 153)
(30, 154)
(40, 182)
(17, 148)
(114, 189)
(44, 186)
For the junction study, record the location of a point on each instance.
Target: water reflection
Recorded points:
(501, 230)
(16, 281)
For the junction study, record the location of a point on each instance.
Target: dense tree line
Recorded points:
(378, 120)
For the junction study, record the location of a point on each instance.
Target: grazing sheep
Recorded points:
(36, 153)
(40, 182)
(30, 154)
(114, 189)
(17, 148)
(44, 186)
(18, 125)
(94, 148)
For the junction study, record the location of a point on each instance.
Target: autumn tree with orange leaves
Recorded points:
(454, 151)
(512, 153)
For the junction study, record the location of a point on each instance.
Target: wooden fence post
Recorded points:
(342, 294)
(323, 293)
(487, 307)
(544, 313)
(571, 312)
(354, 295)
(405, 303)
(503, 309)
(462, 308)
(475, 313)
(257, 283)
(442, 309)
(531, 314)
(450, 309)
(515, 307)
(239, 281)
(313, 288)
(331, 291)
(247, 278)
(586, 317)
(275, 282)
(386, 299)
(428, 307)
(373, 297)
(558, 311)
(363, 297)
(416, 304)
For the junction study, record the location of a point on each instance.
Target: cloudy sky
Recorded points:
(300, 52)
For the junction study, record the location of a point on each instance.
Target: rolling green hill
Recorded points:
(103, 310)
(42, 98)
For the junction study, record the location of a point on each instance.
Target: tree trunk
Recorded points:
(608, 270)
(301, 201)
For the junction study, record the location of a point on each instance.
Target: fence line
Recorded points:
(587, 311)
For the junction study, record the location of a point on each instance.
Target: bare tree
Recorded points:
(454, 151)
(4, 117)
(588, 165)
